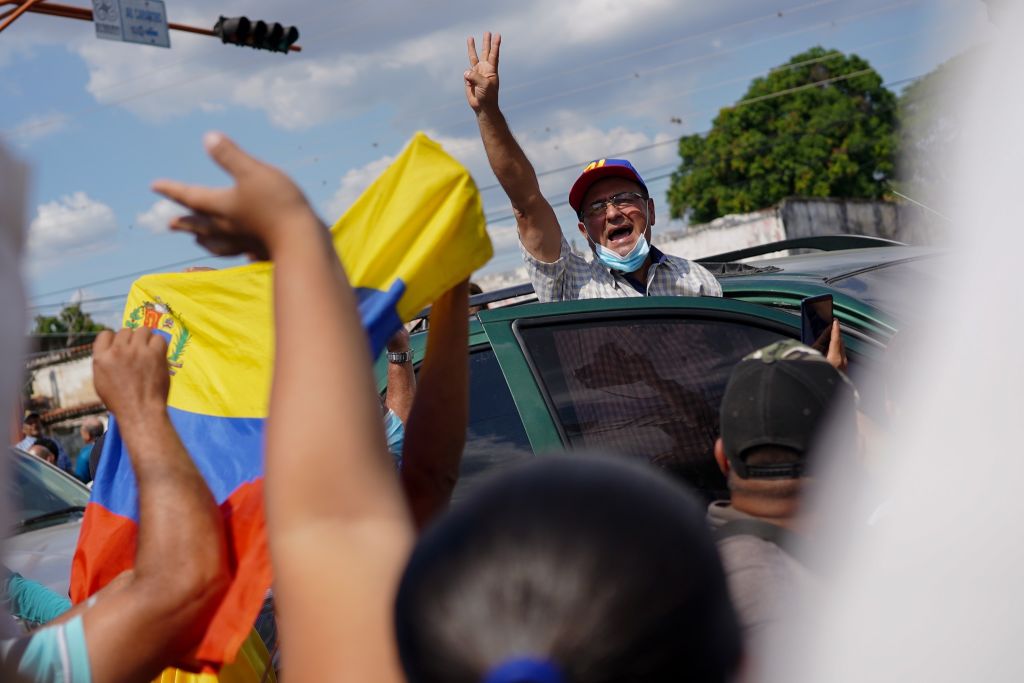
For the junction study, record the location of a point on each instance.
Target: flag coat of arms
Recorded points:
(416, 232)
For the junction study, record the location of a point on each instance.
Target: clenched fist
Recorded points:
(129, 370)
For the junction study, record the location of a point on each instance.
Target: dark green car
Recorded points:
(643, 377)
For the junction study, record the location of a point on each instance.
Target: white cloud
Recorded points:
(156, 217)
(346, 68)
(352, 184)
(595, 21)
(569, 142)
(36, 128)
(73, 221)
(503, 236)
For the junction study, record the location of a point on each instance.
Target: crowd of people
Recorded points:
(49, 447)
(575, 568)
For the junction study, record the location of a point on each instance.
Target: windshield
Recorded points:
(39, 491)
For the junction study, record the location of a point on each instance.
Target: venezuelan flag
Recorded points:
(414, 233)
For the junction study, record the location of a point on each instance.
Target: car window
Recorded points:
(38, 490)
(644, 388)
(496, 436)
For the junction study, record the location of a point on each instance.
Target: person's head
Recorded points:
(775, 404)
(44, 449)
(613, 205)
(32, 425)
(475, 289)
(91, 430)
(601, 569)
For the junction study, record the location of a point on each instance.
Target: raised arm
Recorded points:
(339, 530)
(153, 616)
(436, 432)
(538, 226)
(401, 378)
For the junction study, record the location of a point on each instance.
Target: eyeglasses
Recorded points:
(621, 201)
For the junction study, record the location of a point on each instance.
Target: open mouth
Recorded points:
(619, 234)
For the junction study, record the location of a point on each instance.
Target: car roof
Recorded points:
(835, 265)
(866, 275)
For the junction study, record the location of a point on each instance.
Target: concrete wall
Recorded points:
(902, 222)
(65, 384)
(794, 218)
(727, 233)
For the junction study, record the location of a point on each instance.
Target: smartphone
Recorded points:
(816, 321)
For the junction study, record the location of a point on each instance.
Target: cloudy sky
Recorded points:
(98, 120)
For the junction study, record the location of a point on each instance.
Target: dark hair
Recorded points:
(604, 568)
(94, 428)
(48, 444)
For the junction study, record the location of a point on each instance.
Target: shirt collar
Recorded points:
(657, 258)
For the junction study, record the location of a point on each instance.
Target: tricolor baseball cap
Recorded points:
(598, 169)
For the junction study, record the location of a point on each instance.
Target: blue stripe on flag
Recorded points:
(227, 451)
(379, 313)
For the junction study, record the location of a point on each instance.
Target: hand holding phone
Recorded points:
(820, 331)
(816, 322)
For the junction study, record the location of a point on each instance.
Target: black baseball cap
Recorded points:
(780, 396)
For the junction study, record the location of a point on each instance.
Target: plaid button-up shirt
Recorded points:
(572, 277)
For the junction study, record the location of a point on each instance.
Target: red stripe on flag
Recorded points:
(106, 547)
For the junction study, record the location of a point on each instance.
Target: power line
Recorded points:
(547, 172)
(781, 93)
(662, 67)
(662, 143)
(633, 75)
(125, 276)
(94, 300)
(661, 46)
(507, 215)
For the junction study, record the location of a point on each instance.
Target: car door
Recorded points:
(640, 378)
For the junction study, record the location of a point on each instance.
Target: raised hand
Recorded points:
(482, 76)
(130, 373)
(247, 218)
(836, 349)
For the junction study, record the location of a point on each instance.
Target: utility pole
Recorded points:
(9, 16)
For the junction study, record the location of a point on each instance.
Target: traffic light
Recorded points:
(258, 35)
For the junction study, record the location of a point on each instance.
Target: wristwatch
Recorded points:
(399, 357)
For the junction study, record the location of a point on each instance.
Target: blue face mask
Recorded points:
(395, 431)
(630, 263)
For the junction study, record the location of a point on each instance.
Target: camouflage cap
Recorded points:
(779, 396)
(787, 349)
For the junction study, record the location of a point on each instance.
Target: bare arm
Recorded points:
(538, 226)
(339, 530)
(401, 379)
(436, 432)
(162, 607)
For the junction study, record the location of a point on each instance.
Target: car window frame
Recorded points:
(667, 313)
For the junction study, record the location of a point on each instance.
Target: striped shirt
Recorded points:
(572, 277)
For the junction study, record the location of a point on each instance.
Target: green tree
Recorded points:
(821, 125)
(69, 327)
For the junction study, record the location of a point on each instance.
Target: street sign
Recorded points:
(132, 21)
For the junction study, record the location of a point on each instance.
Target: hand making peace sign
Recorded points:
(482, 76)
